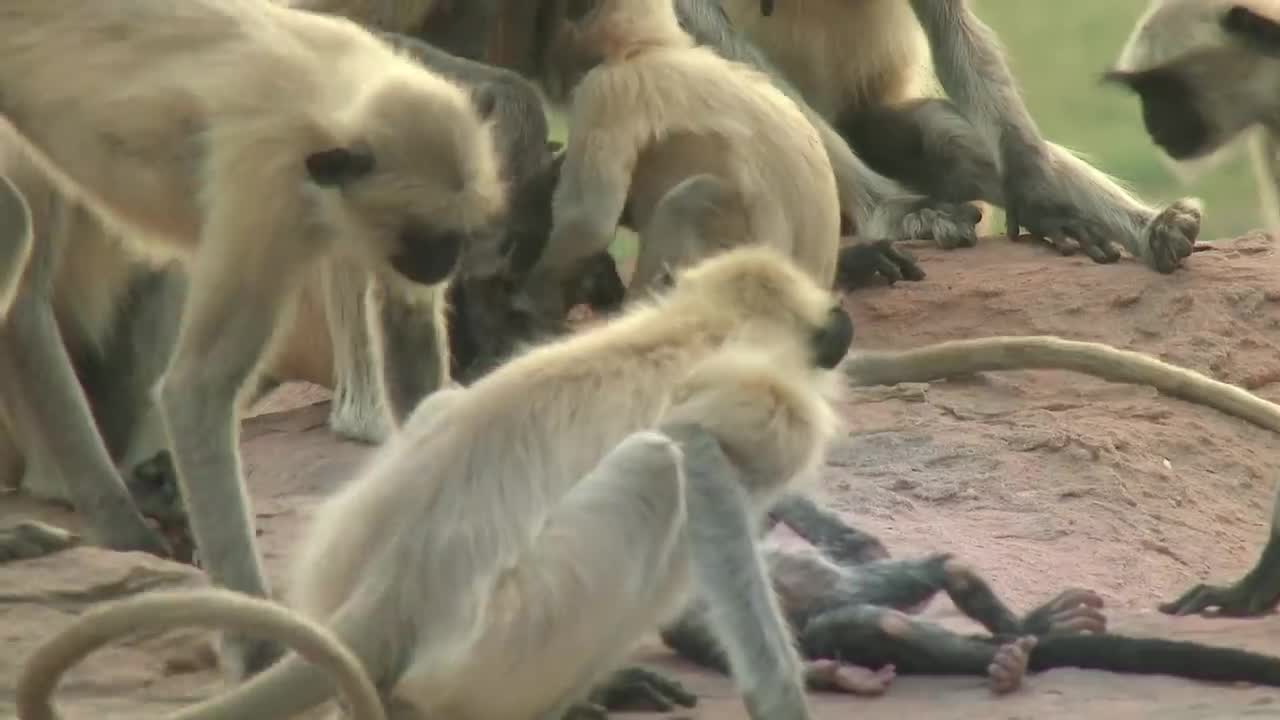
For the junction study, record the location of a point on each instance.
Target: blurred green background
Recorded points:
(1057, 52)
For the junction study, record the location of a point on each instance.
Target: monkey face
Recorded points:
(1171, 112)
(570, 51)
(418, 190)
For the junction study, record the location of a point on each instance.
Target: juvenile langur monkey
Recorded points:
(853, 57)
(253, 139)
(845, 599)
(880, 210)
(483, 539)
(689, 144)
(1206, 71)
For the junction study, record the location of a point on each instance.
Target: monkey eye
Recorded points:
(577, 10)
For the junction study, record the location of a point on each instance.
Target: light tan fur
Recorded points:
(705, 153)
(1046, 352)
(253, 139)
(15, 241)
(154, 611)
(461, 551)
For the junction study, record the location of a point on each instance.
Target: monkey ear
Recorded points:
(338, 166)
(1256, 23)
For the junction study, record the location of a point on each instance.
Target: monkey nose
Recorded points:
(427, 257)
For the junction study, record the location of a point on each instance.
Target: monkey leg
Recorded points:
(236, 299)
(823, 528)
(874, 636)
(16, 240)
(412, 343)
(44, 402)
(675, 234)
(358, 411)
(1255, 594)
(927, 145)
(568, 610)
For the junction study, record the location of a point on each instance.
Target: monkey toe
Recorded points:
(860, 262)
(637, 689)
(834, 676)
(1009, 665)
(1241, 600)
(31, 539)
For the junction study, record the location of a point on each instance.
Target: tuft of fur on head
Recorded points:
(770, 409)
(749, 285)
(623, 27)
(1170, 30)
(434, 159)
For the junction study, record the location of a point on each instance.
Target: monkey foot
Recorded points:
(861, 261)
(30, 539)
(1072, 611)
(635, 689)
(1240, 600)
(834, 676)
(153, 484)
(1008, 667)
(1171, 235)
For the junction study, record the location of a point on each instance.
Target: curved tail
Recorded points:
(300, 683)
(1152, 656)
(1046, 352)
(15, 241)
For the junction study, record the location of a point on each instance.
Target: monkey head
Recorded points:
(409, 179)
(1203, 70)
(759, 293)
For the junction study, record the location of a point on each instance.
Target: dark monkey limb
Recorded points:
(847, 609)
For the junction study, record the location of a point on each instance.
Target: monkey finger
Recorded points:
(1197, 599)
(889, 269)
(1061, 243)
(1079, 619)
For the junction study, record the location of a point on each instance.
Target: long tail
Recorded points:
(15, 241)
(1151, 656)
(1046, 352)
(209, 608)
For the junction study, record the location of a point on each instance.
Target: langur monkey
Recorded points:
(252, 139)
(1207, 71)
(850, 57)
(688, 144)
(15, 241)
(533, 528)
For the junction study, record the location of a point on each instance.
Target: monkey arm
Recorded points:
(732, 579)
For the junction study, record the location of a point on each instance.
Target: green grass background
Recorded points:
(1057, 51)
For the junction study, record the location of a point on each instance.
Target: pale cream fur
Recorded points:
(478, 543)
(653, 111)
(190, 126)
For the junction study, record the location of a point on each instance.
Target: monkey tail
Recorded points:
(1046, 352)
(209, 608)
(15, 241)
(1152, 656)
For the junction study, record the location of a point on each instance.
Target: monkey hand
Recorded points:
(950, 225)
(1170, 236)
(633, 689)
(860, 262)
(1037, 199)
(153, 484)
(1070, 612)
(1251, 597)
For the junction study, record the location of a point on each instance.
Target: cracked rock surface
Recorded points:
(1040, 479)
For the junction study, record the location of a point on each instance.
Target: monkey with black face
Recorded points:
(1207, 72)
(845, 600)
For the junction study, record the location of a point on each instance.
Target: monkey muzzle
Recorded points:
(831, 343)
(1168, 111)
(426, 255)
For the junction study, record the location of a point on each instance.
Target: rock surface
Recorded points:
(1041, 479)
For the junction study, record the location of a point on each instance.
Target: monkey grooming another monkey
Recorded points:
(253, 139)
(1206, 71)
(848, 58)
(688, 144)
(844, 598)
(459, 552)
